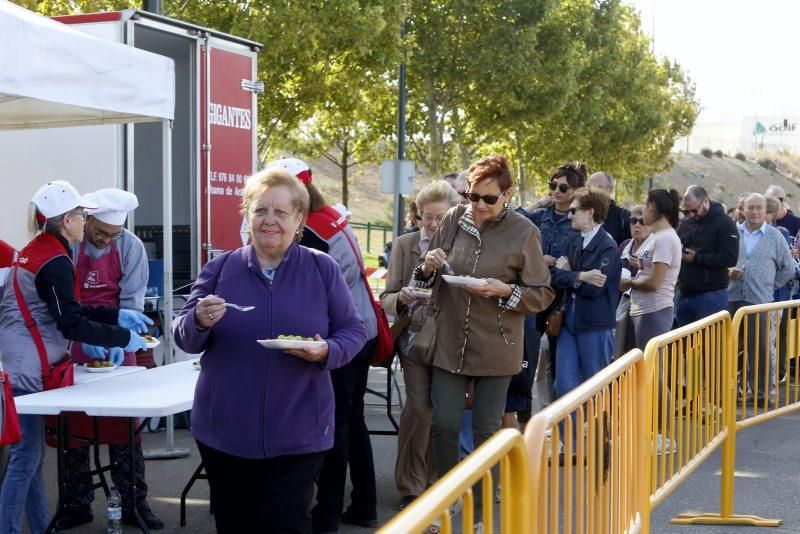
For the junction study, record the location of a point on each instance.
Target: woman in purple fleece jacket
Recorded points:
(263, 418)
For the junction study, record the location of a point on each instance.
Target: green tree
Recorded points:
(354, 130)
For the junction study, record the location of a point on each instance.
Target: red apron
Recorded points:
(99, 282)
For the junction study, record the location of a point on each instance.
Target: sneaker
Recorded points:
(149, 518)
(70, 519)
(478, 528)
(664, 445)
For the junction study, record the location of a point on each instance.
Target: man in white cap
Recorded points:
(111, 269)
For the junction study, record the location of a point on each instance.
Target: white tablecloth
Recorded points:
(158, 392)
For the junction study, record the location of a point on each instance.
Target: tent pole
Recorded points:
(166, 169)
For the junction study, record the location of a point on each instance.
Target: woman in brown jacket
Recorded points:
(479, 336)
(414, 463)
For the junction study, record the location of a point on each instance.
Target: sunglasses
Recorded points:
(490, 200)
(573, 211)
(561, 187)
(636, 220)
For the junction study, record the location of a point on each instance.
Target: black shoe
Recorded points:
(69, 520)
(406, 500)
(350, 518)
(149, 518)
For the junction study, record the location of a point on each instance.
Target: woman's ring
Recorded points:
(211, 316)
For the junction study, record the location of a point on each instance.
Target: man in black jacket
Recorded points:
(617, 222)
(710, 246)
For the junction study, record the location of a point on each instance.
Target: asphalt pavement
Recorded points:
(767, 479)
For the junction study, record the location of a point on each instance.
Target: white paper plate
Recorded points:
(154, 344)
(99, 369)
(463, 281)
(421, 294)
(283, 344)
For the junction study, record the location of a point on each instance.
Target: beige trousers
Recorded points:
(414, 469)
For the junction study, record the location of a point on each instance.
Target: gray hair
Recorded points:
(758, 196)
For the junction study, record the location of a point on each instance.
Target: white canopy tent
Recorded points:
(52, 75)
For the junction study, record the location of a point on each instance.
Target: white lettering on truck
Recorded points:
(230, 116)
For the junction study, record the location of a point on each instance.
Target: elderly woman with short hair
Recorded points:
(263, 418)
(414, 465)
(589, 274)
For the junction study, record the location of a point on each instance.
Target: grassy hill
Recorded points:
(724, 178)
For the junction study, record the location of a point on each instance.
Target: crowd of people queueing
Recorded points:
(278, 429)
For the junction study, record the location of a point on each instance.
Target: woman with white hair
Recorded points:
(414, 467)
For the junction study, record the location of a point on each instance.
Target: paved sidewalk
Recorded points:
(767, 482)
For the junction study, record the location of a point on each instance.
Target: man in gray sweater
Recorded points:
(764, 264)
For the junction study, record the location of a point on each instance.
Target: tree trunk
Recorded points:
(434, 131)
(343, 167)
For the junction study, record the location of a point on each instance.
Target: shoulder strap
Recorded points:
(358, 260)
(447, 247)
(30, 324)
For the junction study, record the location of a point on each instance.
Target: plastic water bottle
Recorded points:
(114, 512)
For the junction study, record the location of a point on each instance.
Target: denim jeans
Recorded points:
(580, 354)
(23, 486)
(701, 305)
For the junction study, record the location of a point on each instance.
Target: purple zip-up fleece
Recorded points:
(259, 403)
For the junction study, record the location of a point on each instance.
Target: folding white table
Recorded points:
(158, 392)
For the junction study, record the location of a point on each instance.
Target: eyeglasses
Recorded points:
(636, 220)
(490, 200)
(561, 187)
(689, 212)
(99, 234)
(78, 213)
(427, 218)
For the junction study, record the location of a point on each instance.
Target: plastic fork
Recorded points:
(448, 268)
(237, 307)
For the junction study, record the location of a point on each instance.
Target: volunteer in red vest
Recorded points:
(40, 314)
(329, 231)
(111, 265)
(7, 257)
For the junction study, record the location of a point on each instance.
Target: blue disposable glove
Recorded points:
(94, 352)
(136, 343)
(116, 355)
(133, 320)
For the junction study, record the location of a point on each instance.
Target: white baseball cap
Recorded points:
(114, 205)
(58, 197)
(342, 209)
(297, 167)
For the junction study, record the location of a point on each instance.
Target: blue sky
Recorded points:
(742, 54)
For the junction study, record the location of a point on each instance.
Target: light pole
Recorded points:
(399, 204)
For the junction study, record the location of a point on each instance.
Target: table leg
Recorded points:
(132, 431)
(96, 451)
(198, 474)
(62, 433)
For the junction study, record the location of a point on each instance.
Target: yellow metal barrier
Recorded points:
(759, 344)
(505, 448)
(685, 401)
(602, 423)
